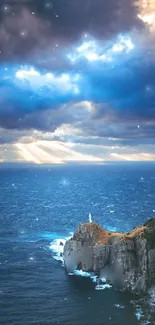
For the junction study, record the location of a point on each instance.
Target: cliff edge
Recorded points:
(125, 259)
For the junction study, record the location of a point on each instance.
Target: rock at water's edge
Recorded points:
(126, 259)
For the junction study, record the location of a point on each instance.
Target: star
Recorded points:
(148, 88)
(23, 33)
(48, 5)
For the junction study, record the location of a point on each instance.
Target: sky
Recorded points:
(77, 81)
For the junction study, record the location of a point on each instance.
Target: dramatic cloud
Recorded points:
(115, 78)
(30, 26)
(79, 73)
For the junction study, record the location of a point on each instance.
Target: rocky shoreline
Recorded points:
(127, 260)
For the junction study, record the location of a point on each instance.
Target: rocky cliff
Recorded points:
(126, 259)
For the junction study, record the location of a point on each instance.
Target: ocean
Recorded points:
(39, 207)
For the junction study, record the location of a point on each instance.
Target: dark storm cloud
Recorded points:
(100, 18)
(126, 131)
(13, 136)
(13, 45)
(64, 22)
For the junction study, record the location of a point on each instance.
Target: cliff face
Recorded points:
(127, 260)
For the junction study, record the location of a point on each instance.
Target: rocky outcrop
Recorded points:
(127, 260)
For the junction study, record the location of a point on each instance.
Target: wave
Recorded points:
(25, 237)
(57, 247)
(110, 228)
(139, 312)
(103, 286)
(119, 306)
(81, 273)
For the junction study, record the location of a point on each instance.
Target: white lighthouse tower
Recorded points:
(90, 218)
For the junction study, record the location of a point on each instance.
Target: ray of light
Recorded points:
(68, 154)
(121, 157)
(43, 155)
(51, 152)
(134, 156)
(25, 153)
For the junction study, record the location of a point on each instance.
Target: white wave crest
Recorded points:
(57, 247)
(119, 306)
(81, 273)
(94, 279)
(103, 286)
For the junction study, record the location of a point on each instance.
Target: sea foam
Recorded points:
(81, 273)
(57, 247)
(103, 286)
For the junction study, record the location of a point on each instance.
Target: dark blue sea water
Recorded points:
(39, 206)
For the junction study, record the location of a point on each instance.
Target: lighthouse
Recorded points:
(90, 218)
